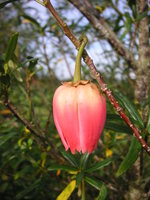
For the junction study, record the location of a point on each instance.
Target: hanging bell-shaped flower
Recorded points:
(79, 112)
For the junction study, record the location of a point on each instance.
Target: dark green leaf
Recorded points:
(113, 117)
(100, 165)
(130, 158)
(2, 5)
(27, 190)
(55, 167)
(11, 47)
(130, 107)
(120, 128)
(103, 193)
(32, 20)
(139, 17)
(84, 160)
(4, 138)
(79, 178)
(96, 183)
(5, 79)
(148, 122)
(71, 158)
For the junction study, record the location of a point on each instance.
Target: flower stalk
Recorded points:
(77, 73)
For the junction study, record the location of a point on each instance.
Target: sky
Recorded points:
(95, 48)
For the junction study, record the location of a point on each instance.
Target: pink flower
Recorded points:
(79, 112)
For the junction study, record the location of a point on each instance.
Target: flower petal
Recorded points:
(92, 115)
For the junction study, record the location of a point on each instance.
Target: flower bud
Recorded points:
(79, 112)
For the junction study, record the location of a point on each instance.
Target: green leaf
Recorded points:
(32, 20)
(130, 108)
(84, 160)
(71, 158)
(103, 193)
(4, 138)
(100, 165)
(130, 158)
(148, 122)
(11, 47)
(79, 178)
(113, 117)
(96, 183)
(140, 17)
(66, 193)
(2, 5)
(30, 188)
(6, 67)
(17, 75)
(55, 167)
(120, 128)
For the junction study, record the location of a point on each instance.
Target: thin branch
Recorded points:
(99, 78)
(28, 85)
(48, 121)
(104, 29)
(44, 142)
(143, 72)
(27, 124)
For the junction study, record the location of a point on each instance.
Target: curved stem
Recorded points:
(77, 73)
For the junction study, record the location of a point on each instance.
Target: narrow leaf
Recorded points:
(148, 122)
(130, 158)
(119, 128)
(31, 19)
(100, 165)
(130, 108)
(55, 167)
(2, 5)
(103, 193)
(11, 47)
(68, 156)
(94, 182)
(66, 193)
(79, 177)
(113, 118)
(4, 138)
(84, 161)
(28, 189)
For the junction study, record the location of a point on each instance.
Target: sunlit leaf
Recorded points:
(66, 193)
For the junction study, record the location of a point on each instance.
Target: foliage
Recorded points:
(34, 58)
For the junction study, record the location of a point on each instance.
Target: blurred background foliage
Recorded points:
(35, 57)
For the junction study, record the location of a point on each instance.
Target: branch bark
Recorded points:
(143, 71)
(101, 25)
(41, 140)
(98, 77)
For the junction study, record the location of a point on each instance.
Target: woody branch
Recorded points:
(97, 76)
